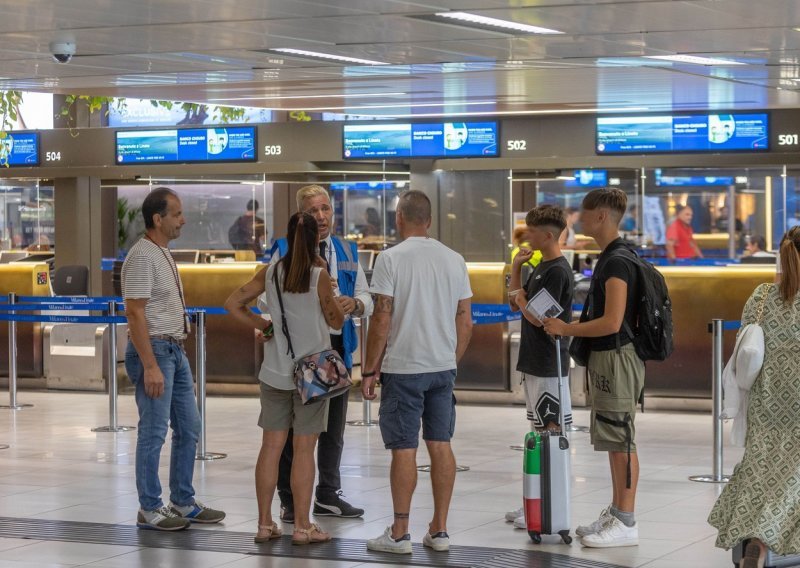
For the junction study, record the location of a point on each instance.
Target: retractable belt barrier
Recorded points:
(716, 328)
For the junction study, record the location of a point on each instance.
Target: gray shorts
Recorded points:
(283, 409)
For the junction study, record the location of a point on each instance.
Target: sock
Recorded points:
(628, 519)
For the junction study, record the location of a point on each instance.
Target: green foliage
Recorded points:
(126, 219)
(9, 110)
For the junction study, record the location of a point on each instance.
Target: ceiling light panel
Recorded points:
(317, 55)
(694, 60)
(476, 20)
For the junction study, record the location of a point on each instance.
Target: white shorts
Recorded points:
(541, 399)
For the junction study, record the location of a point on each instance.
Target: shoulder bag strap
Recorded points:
(284, 325)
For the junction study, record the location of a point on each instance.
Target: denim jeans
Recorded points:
(176, 407)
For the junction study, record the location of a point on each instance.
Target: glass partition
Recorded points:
(366, 211)
(224, 215)
(27, 221)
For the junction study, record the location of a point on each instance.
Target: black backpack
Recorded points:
(652, 334)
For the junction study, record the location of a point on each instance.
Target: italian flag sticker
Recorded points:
(531, 483)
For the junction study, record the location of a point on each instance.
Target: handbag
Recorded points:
(318, 376)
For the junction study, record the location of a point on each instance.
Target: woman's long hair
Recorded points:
(790, 264)
(297, 263)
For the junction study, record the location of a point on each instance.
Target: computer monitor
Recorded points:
(758, 260)
(7, 256)
(48, 257)
(185, 256)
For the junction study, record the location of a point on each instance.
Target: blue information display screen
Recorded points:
(739, 132)
(588, 178)
(235, 144)
(421, 140)
(693, 181)
(20, 149)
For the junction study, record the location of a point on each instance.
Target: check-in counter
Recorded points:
(24, 279)
(700, 294)
(485, 364)
(233, 357)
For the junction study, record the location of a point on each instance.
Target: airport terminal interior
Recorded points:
(489, 108)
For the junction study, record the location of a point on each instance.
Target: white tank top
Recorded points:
(306, 324)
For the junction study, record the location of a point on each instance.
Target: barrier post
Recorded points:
(366, 404)
(12, 362)
(200, 371)
(112, 377)
(716, 399)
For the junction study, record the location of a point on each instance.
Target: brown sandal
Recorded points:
(311, 535)
(266, 533)
(752, 557)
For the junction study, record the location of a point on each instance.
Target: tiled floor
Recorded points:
(57, 468)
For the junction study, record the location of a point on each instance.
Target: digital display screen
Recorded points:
(739, 132)
(693, 181)
(231, 144)
(588, 178)
(20, 149)
(421, 140)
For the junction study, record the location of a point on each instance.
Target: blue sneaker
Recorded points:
(197, 513)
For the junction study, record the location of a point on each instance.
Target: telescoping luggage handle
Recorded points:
(563, 442)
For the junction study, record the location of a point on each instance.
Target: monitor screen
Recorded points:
(588, 178)
(421, 140)
(229, 144)
(190, 256)
(20, 149)
(737, 132)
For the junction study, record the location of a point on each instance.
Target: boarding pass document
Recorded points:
(543, 305)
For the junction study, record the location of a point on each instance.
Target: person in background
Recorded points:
(568, 239)
(350, 282)
(310, 309)
(249, 231)
(537, 353)
(761, 503)
(722, 222)
(373, 223)
(615, 371)
(420, 330)
(680, 237)
(756, 247)
(159, 370)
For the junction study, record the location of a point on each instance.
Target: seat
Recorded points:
(71, 280)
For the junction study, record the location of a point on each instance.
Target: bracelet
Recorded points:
(368, 375)
(514, 292)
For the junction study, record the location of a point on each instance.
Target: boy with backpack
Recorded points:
(537, 352)
(627, 319)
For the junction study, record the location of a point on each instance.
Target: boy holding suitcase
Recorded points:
(537, 355)
(616, 373)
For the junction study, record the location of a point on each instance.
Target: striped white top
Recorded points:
(149, 272)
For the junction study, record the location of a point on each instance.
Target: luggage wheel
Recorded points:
(565, 537)
(535, 537)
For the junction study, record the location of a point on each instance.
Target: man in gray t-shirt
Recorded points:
(157, 366)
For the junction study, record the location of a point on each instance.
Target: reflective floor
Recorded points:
(58, 469)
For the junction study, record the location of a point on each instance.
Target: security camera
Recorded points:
(62, 51)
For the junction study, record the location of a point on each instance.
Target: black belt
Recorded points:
(163, 337)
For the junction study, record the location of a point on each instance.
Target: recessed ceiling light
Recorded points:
(327, 56)
(695, 60)
(485, 21)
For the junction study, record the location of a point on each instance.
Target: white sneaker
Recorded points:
(592, 528)
(440, 541)
(512, 516)
(613, 533)
(520, 523)
(385, 543)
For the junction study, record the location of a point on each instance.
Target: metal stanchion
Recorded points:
(716, 383)
(200, 370)
(366, 420)
(112, 377)
(12, 362)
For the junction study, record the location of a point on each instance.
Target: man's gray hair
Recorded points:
(310, 191)
(415, 207)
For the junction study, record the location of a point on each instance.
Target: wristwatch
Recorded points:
(359, 311)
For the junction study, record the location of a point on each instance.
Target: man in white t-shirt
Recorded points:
(420, 328)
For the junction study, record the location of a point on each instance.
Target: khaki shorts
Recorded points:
(283, 409)
(615, 382)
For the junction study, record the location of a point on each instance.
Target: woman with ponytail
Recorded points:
(761, 504)
(310, 310)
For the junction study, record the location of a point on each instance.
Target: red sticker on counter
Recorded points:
(41, 278)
